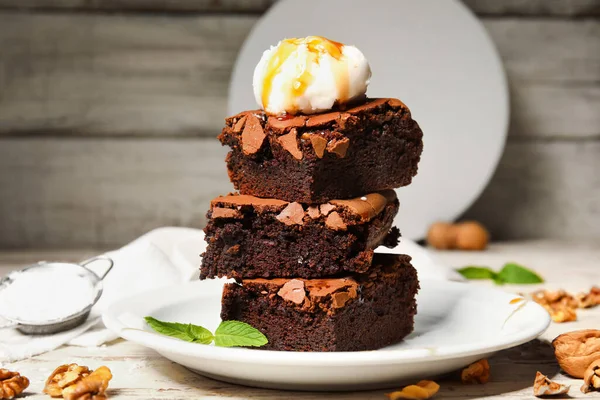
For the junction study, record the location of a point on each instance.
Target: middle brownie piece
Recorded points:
(251, 237)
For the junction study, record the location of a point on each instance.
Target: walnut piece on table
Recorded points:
(560, 305)
(591, 378)
(11, 384)
(478, 372)
(421, 391)
(542, 386)
(562, 313)
(91, 387)
(64, 376)
(575, 351)
(590, 299)
(552, 297)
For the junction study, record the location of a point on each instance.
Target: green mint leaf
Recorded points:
(236, 333)
(188, 332)
(498, 280)
(200, 334)
(515, 273)
(474, 272)
(228, 334)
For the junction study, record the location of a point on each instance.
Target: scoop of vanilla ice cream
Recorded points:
(309, 75)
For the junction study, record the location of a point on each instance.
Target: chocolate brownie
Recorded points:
(359, 312)
(316, 158)
(250, 237)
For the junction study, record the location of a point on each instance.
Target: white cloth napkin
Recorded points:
(162, 257)
(148, 262)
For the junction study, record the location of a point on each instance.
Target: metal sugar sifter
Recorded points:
(70, 321)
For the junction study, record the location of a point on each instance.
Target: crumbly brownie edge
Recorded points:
(251, 131)
(259, 245)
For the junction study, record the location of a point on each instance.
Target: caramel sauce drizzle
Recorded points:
(317, 46)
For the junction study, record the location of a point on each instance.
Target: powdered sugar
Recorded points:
(45, 294)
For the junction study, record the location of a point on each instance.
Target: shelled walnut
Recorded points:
(11, 384)
(548, 297)
(420, 391)
(92, 387)
(64, 376)
(559, 304)
(562, 313)
(478, 372)
(591, 378)
(590, 299)
(542, 386)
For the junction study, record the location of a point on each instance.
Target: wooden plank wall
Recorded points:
(109, 109)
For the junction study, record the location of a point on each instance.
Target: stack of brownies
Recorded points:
(315, 199)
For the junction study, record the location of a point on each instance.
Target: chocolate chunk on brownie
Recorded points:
(357, 312)
(316, 158)
(251, 237)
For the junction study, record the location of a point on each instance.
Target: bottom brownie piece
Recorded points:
(358, 312)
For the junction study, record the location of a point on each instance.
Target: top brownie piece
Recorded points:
(316, 158)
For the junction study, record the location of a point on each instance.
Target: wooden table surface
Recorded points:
(140, 373)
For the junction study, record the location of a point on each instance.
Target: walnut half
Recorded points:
(591, 378)
(11, 384)
(478, 372)
(92, 387)
(64, 376)
(542, 386)
(576, 350)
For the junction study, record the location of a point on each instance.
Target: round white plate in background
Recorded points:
(433, 55)
(456, 324)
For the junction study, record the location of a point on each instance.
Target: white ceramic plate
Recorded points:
(456, 324)
(436, 57)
